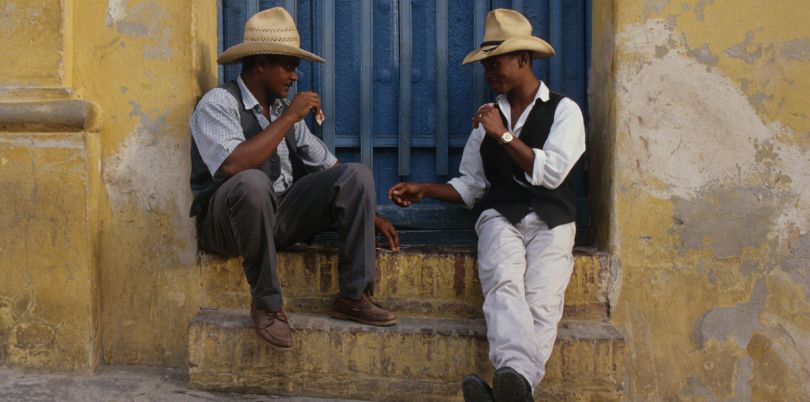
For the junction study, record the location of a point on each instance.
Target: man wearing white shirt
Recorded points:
(516, 166)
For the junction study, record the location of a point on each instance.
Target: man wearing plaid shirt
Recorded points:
(262, 181)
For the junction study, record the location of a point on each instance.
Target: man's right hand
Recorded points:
(302, 103)
(406, 194)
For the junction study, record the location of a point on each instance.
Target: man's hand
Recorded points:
(302, 103)
(385, 227)
(488, 116)
(406, 194)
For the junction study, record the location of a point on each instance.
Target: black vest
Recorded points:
(515, 200)
(203, 185)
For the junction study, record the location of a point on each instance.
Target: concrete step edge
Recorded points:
(568, 329)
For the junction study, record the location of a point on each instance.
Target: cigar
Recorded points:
(319, 117)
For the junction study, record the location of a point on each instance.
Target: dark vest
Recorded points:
(515, 200)
(203, 185)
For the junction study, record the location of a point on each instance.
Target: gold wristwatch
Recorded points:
(506, 137)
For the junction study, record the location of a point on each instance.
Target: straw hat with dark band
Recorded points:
(508, 31)
(270, 31)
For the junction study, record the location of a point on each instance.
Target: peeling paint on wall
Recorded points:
(150, 164)
(746, 50)
(146, 20)
(116, 11)
(739, 322)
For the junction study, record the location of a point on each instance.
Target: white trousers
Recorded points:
(524, 270)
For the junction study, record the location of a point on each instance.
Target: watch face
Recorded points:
(506, 137)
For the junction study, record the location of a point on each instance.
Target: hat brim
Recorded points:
(234, 53)
(537, 46)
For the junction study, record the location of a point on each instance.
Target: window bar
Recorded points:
(252, 7)
(405, 72)
(555, 38)
(366, 77)
(441, 88)
(479, 14)
(292, 7)
(328, 95)
(220, 44)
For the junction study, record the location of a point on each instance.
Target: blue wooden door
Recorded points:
(396, 96)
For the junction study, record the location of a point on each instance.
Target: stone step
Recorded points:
(417, 281)
(420, 359)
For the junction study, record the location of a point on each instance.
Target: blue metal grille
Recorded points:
(395, 93)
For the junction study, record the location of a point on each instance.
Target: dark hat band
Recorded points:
(491, 43)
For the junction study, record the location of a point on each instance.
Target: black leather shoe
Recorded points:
(510, 386)
(475, 389)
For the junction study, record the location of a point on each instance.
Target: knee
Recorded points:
(360, 176)
(252, 187)
(358, 172)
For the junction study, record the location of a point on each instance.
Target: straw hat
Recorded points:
(271, 31)
(508, 31)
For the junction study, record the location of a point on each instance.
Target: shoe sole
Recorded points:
(273, 346)
(475, 392)
(509, 386)
(342, 316)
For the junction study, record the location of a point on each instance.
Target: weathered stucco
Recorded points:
(37, 26)
(146, 63)
(710, 213)
(700, 145)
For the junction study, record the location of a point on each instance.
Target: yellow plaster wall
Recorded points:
(710, 210)
(47, 248)
(145, 63)
(32, 43)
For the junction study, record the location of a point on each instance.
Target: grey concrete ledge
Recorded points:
(65, 115)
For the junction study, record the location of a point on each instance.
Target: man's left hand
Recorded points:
(488, 116)
(385, 227)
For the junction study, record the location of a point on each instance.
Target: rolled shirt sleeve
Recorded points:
(215, 128)
(472, 182)
(563, 148)
(311, 150)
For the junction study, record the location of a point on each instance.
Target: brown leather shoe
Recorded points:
(363, 311)
(273, 327)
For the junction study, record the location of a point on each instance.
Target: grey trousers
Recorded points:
(245, 218)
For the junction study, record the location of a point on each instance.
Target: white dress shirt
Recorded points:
(552, 163)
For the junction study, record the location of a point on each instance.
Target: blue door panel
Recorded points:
(387, 103)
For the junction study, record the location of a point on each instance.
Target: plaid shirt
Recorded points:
(217, 132)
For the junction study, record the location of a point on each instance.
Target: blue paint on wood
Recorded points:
(327, 36)
(480, 10)
(366, 77)
(368, 95)
(220, 38)
(441, 88)
(405, 77)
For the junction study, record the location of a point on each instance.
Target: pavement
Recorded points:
(117, 384)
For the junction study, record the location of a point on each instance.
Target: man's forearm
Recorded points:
(442, 191)
(521, 154)
(252, 153)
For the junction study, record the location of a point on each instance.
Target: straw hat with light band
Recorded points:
(508, 31)
(271, 31)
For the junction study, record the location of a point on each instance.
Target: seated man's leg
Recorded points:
(240, 221)
(501, 268)
(550, 262)
(343, 195)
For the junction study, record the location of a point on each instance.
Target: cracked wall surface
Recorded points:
(710, 209)
(146, 63)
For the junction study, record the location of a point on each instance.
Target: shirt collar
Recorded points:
(249, 101)
(543, 93)
(503, 103)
